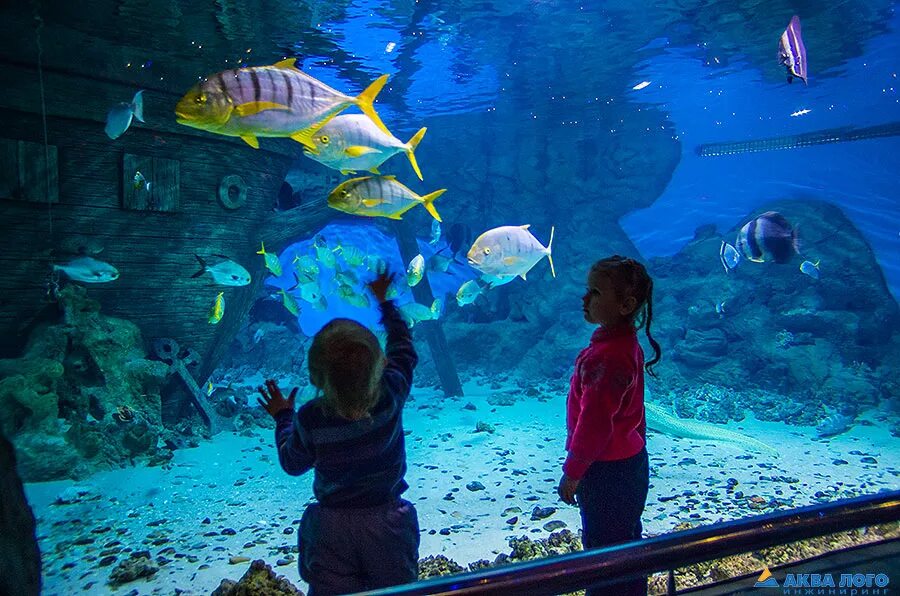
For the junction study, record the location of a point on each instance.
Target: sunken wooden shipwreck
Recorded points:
(68, 189)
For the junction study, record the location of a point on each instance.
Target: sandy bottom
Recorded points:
(229, 498)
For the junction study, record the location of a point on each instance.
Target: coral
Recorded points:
(136, 566)
(437, 565)
(58, 400)
(259, 580)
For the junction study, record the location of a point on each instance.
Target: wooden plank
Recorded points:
(9, 168)
(434, 332)
(38, 173)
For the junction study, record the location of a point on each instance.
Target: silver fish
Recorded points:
(119, 118)
(88, 270)
(226, 273)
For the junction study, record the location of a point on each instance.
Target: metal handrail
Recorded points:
(575, 571)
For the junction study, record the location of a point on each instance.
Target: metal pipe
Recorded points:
(822, 137)
(568, 573)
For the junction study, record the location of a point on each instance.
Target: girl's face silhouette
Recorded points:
(602, 306)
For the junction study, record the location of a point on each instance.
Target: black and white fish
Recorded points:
(729, 256)
(792, 51)
(769, 237)
(88, 270)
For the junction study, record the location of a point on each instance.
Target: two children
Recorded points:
(606, 472)
(361, 535)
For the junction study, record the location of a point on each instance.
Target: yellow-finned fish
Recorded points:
(415, 270)
(290, 303)
(270, 101)
(217, 310)
(352, 142)
(272, 262)
(413, 312)
(508, 251)
(380, 196)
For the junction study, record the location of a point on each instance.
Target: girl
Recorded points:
(360, 535)
(606, 472)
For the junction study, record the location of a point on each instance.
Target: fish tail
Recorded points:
(410, 153)
(429, 202)
(202, 267)
(365, 100)
(262, 250)
(795, 240)
(550, 251)
(137, 105)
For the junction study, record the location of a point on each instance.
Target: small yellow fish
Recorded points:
(380, 196)
(414, 312)
(351, 255)
(351, 297)
(209, 388)
(272, 262)
(415, 270)
(217, 310)
(468, 292)
(290, 303)
(306, 270)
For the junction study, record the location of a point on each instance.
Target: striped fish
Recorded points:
(792, 52)
(769, 237)
(352, 142)
(270, 101)
(380, 196)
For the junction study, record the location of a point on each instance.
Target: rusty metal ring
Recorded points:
(232, 192)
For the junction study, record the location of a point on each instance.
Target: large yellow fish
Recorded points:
(380, 196)
(352, 142)
(270, 101)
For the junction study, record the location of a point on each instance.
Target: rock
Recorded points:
(868, 460)
(237, 560)
(484, 427)
(475, 486)
(136, 566)
(539, 513)
(228, 532)
(438, 565)
(552, 526)
(259, 580)
(77, 494)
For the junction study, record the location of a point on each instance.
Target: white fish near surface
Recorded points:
(119, 117)
(641, 85)
(415, 270)
(226, 273)
(509, 251)
(414, 312)
(352, 142)
(811, 269)
(435, 232)
(88, 270)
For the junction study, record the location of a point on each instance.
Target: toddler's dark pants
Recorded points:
(354, 550)
(612, 495)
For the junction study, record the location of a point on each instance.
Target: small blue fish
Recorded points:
(435, 232)
(811, 269)
(118, 119)
(729, 256)
(720, 308)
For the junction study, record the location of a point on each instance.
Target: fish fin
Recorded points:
(202, 267)
(304, 137)
(287, 63)
(550, 251)
(522, 275)
(137, 105)
(375, 171)
(428, 200)
(251, 140)
(389, 177)
(525, 227)
(347, 172)
(358, 150)
(262, 250)
(297, 280)
(395, 216)
(372, 202)
(365, 100)
(226, 257)
(410, 153)
(251, 108)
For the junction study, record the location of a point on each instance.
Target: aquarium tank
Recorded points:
(192, 190)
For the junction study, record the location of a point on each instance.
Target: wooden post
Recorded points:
(434, 333)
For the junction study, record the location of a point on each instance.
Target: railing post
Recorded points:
(671, 590)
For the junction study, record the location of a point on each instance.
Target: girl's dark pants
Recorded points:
(353, 550)
(612, 495)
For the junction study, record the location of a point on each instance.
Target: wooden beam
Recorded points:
(434, 332)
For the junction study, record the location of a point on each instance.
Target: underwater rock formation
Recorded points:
(784, 346)
(20, 559)
(259, 580)
(83, 395)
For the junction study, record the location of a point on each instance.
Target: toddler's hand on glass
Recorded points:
(379, 286)
(272, 400)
